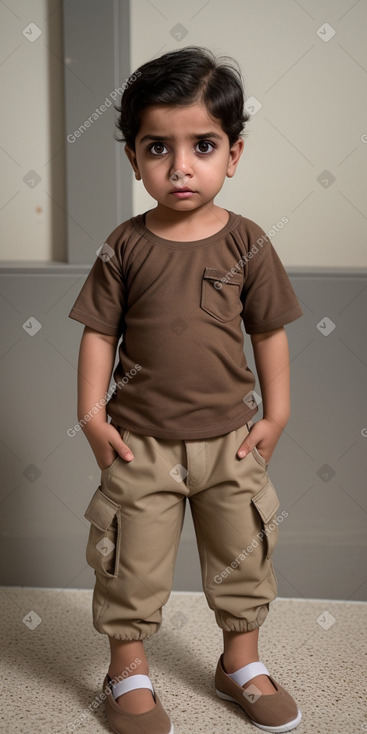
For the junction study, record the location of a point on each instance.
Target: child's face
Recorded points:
(171, 155)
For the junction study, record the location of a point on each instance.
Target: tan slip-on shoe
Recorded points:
(155, 721)
(276, 712)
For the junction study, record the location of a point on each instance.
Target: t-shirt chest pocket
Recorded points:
(221, 298)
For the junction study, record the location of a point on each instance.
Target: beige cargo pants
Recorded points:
(136, 518)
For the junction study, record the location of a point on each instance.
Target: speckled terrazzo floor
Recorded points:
(52, 669)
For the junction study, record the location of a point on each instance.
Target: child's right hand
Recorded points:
(106, 444)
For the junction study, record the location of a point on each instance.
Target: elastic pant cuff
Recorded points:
(128, 635)
(228, 623)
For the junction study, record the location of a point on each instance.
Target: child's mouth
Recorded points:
(183, 193)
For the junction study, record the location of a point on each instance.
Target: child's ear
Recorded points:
(132, 158)
(234, 157)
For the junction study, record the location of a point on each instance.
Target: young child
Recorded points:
(175, 285)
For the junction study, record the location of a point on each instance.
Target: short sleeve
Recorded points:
(101, 301)
(268, 298)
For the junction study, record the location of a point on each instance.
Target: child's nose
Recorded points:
(181, 161)
(179, 178)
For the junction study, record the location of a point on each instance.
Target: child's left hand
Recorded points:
(264, 434)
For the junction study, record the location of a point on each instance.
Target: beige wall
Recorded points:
(48, 475)
(31, 210)
(312, 119)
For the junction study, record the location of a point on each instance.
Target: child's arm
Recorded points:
(272, 363)
(96, 360)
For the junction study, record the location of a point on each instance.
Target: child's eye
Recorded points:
(153, 148)
(205, 144)
(157, 149)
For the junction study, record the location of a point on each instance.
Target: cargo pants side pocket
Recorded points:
(103, 547)
(266, 502)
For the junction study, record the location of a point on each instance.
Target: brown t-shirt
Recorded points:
(178, 306)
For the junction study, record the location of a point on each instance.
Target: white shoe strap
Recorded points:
(130, 684)
(243, 675)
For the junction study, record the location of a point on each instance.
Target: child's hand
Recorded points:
(265, 435)
(106, 444)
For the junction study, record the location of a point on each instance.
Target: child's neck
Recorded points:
(191, 226)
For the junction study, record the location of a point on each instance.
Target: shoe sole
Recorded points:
(171, 731)
(274, 729)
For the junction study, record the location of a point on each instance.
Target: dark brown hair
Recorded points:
(189, 75)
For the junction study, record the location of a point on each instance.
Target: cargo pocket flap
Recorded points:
(266, 502)
(230, 278)
(101, 510)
